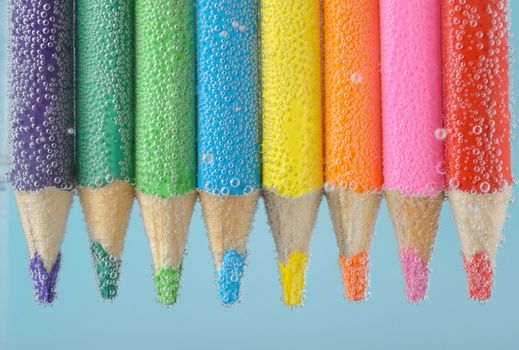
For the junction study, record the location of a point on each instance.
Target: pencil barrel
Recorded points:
(412, 96)
(353, 122)
(104, 95)
(228, 97)
(291, 85)
(41, 95)
(477, 95)
(165, 138)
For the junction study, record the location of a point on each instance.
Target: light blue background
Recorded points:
(80, 320)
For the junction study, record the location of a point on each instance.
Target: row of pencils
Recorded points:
(229, 99)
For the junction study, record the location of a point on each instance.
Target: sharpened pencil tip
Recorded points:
(416, 275)
(229, 277)
(293, 278)
(167, 282)
(107, 268)
(355, 275)
(480, 276)
(44, 282)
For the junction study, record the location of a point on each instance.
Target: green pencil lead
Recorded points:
(108, 269)
(167, 281)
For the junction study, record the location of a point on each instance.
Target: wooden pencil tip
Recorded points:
(229, 221)
(415, 220)
(353, 216)
(167, 221)
(292, 221)
(107, 212)
(480, 220)
(44, 217)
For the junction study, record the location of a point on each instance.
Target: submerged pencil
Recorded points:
(353, 133)
(165, 139)
(478, 121)
(412, 131)
(105, 154)
(292, 133)
(228, 133)
(42, 130)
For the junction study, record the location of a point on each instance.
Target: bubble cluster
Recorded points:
(108, 269)
(477, 96)
(44, 282)
(291, 85)
(230, 275)
(165, 139)
(416, 275)
(412, 96)
(228, 97)
(41, 94)
(353, 147)
(480, 276)
(355, 274)
(104, 98)
(167, 281)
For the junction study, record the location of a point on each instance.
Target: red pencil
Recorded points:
(477, 118)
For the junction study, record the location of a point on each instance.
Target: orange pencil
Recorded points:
(353, 133)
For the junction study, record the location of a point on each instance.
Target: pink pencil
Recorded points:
(413, 131)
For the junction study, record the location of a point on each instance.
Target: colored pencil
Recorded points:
(165, 139)
(292, 133)
(105, 130)
(413, 132)
(228, 133)
(478, 121)
(42, 130)
(353, 133)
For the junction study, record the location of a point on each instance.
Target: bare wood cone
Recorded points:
(415, 220)
(107, 212)
(353, 216)
(44, 216)
(292, 221)
(167, 225)
(480, 219)
(229, 222)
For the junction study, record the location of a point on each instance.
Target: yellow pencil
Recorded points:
(292, 132)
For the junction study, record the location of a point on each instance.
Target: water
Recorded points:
(79, 320)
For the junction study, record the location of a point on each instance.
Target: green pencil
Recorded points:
(105, 130)
(166, 133)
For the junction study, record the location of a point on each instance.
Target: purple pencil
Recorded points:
(42, 130)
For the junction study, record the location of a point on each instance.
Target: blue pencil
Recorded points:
(229, 176)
